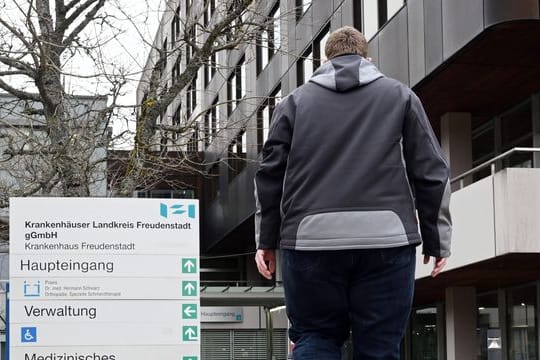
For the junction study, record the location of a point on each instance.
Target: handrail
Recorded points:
(491, 163)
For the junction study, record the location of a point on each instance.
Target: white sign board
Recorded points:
(220, 314)
(112, 278)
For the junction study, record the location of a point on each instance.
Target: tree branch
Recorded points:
(23, 95)
(23, 67)
(60, 13)
(71, 4)
(44, 18)
(19, 35)
(13, 72)
(88, 18)
(75, 14)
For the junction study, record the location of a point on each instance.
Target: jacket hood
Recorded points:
(345, 72)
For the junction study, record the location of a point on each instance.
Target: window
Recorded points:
(424, 329)
(193, 143)
(191, 38)
(231, 93)
(194, 93)
(483, 143)
(488, 327)
(264, 117)
(237, 154)
(243, 80)
(319, 44)
(207, 130)
(211, 124)
(209, 9)
(209, 68)
(235, 25)
(213, 64)
(276, 27)
(163, 113)
(163, 142)
(269, 40)
(483, 147)
(522, 332)
(163, 58)
(236, 86)
(176, 121)
(301, 8)
(214, 118)
(516, 125)
(263, 125)
(263, 50)
(206, 72)
(393, 6)
(176, 70)
(305, 67)
(375, 13)
(191, 97)
(312, 58)
(502, 133)
(175, 27)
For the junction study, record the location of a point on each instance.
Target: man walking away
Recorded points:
(349, 161)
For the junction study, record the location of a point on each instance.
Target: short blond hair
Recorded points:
(346, 40)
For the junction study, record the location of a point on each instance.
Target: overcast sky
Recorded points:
(137, 22)
(133, 27)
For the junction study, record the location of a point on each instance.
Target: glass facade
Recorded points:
(423, 337)
(511, 129)
(488, 331)
(522, 330)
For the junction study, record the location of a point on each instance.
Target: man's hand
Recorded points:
(438, 264)
(262, 257)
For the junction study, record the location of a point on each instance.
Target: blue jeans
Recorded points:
(331, 293)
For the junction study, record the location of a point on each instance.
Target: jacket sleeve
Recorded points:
(428, 173)
(269, 178)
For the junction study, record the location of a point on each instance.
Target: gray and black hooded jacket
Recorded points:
(349, 159)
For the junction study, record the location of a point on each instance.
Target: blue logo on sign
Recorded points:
(177, 209)
(28, 334)
(31, 289)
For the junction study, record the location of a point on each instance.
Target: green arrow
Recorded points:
(189, 288)
(189, 358)
(189, 311)
(189, 266)
(189, 333)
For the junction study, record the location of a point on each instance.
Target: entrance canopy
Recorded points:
(267, 296)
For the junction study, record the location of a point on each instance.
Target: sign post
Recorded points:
(108, 279)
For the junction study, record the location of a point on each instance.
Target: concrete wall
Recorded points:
(494, 216)
(425, 33)
(517, 210)
(473, 237)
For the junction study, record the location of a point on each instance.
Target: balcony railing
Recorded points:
(491, 163)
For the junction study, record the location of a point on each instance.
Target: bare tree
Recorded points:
(37, 40)
(234, 24)
(53, 141)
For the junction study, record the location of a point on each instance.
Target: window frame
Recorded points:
(269, 105)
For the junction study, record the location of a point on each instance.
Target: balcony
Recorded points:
(496, 233)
